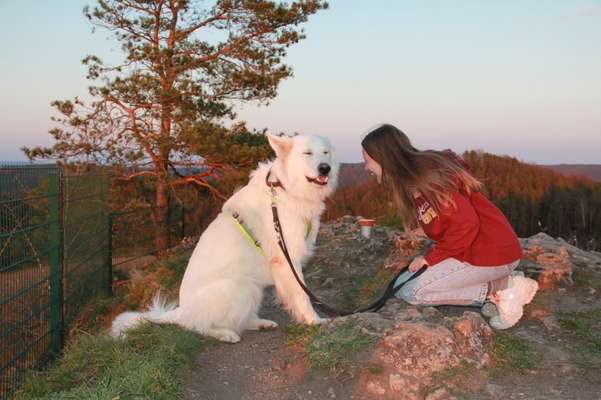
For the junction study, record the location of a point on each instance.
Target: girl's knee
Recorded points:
(408, 295)
(416, 294)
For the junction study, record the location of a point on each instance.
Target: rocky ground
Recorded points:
(407, 352)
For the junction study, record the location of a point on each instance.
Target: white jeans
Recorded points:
(452, 282)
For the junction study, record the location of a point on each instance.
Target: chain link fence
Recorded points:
(54, 239)
(59, 243)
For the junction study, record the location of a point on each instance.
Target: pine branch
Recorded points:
(199, 181)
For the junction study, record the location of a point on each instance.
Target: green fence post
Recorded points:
(55, 264)
(109, 254)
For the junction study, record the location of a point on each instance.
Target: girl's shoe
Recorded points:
(510, 302)
(489, 310)
(517, 273)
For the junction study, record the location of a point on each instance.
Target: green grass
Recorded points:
(587, 279)
(176, 264)
(375, 369)
(143, 365)
(511, 353)
(366, 289)
(91, 317)
(391, 219)
(586, 329)
(299, 334)
(330, 348)
(165, 273)
(448, 377)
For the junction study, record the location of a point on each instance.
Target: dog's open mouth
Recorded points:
(320, 180)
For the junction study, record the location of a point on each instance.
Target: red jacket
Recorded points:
(475, 231)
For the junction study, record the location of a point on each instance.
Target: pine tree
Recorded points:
(186, 64)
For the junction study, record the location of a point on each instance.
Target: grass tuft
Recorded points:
(97, 367)
(509, 352)
(176, 265)
(391, 219)
(330, 348)
(333, 349)
(161, 274)
(143, 365)
(375, 369)
(299, 334)
(367, 289)
(585, 278)
(586, 328)
(450, 378)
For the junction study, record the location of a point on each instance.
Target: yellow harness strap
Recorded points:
(252, 240)
(247, 235)
(309, 227)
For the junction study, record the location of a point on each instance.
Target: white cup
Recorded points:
(366, 225)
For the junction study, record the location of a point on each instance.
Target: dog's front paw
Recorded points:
(317, 320)
(224, 335)
(259, 323)
(229, 337)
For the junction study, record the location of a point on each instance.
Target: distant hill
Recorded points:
(353, 174)
(592, 171)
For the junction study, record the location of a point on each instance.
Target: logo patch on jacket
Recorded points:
(425, 213)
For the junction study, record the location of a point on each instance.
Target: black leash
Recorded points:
(390, 291)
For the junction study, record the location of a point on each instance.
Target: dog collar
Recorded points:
(272, 184)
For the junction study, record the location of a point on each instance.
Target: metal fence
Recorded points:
(86, 238)
(54, 237)
(59, 243)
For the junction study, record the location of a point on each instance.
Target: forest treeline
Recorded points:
(534, 198)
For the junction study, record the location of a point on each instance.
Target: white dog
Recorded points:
(222, 288)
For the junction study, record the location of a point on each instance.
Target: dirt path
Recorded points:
(260, 367)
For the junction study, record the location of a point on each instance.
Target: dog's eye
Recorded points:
(326, 152)
(308, 153)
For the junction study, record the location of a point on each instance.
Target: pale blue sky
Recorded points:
(517, 77)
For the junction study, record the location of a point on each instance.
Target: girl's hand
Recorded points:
(417, 263)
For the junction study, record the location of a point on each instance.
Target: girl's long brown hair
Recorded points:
(433, 174)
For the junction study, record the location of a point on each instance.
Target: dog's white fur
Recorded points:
(222, 288)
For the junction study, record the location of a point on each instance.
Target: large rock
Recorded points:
(420, 352)
(411, 243)
(547, 260)
(416, 346)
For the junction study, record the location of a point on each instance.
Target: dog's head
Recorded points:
(306, 165)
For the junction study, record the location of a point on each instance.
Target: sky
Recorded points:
(514, 77)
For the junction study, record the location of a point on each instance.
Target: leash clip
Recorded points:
(274, 195)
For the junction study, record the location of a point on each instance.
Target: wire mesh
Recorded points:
(53, 244)
(58, 245)
(26, 224)
(85, 224)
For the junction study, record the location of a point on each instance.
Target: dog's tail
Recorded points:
(159, 312)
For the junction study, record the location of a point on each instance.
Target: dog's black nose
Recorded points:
(324, 169)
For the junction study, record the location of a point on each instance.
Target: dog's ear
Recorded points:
(280, 144)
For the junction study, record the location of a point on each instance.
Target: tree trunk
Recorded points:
(161, 212)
